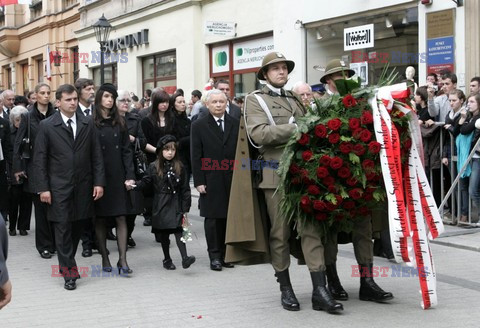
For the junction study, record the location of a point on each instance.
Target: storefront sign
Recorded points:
(128, 41)
(249, 54)
(220, 59)
(440, 41)
(220, 28)
(358, 37)
(440, 23)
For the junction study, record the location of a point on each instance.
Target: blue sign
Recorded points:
(440, 51)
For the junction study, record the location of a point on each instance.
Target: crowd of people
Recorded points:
(97, 157)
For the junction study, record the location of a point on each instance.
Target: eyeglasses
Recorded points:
(124, 101)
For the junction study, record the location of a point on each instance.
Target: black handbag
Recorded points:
(139, 160)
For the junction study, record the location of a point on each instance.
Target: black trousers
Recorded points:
(215, 230)
(88, 235)
(20, 211)
(67, 237)
(44, 235)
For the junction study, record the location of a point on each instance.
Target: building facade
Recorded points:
(27, 32)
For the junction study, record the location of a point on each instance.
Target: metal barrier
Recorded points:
(455, 210)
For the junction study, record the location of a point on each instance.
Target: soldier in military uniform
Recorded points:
(270, 115)
(362, 232)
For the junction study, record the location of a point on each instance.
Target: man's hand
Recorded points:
(5, 294)
(46, 197)
(132, 138)
(19, 175)
(202, 189)
(430, 90)
(97, 192)
(446, 126)
(129, 184)
(445, 161)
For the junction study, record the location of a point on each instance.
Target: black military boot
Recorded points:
(334, 285)
(321, 297)
(288, 298)
(369, 290)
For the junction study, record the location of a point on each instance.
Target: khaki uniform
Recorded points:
(270, 137)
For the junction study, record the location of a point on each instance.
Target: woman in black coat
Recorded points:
(137, 142)
(182, 131)
(5, 161)
(114, 140)
(20, 210)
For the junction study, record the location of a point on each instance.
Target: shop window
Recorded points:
(7, 73)
(39, 64)
(245, 83)
(110, 75)
(160, 71)
(2, 16)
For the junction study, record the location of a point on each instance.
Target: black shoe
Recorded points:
(87, 253)
(369, 290)
(322, 300)
(45, 254)
(227, 265)
(12, 232)
(111, 235)
(124, 271)
(70, 285)
(334, 285)
(23, 232)
(147, 222)
(168, 264)
(131, 242)
(215, 265)
(288, 299)
(188, 261)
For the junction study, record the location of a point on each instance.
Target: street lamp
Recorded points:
(102, 29)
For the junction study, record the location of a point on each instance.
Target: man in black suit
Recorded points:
(86, 97)
(8, 97)
(213, 144)
(232, 109)
(5, 284)
(69, 169)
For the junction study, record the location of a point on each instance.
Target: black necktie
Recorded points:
(220, 124)
(87, 112)
(69, 125)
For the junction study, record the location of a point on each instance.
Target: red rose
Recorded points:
(328, 181)
(336, 163)
(307, 155)
(344, 172)
(334, 124)
(330, 206)
(359, 150)
(332, 189)
(348, 101)
(367, 117)
(374, 147)
(345, 147)
(307, 181)
(354, 123)
(407, 144)
(349, 204)
(368, 164)
(304, 139)
(370, 176)
(357, 133)
(318, 205)
(305, 204)
(352, 181)
(334, 138)
(320, 131)
(366, 135)
(320, 216)
(296, 181)
(355, 193)
(339, 199)
(294, 168)
(322, 172)
(304, 173)
(313, 190)
(325, 160)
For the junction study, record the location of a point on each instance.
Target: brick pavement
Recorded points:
(239, 297)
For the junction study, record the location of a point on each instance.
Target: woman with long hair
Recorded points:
(117, 156)
(182, 130)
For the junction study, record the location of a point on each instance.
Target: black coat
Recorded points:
(153, 133)
(208, 142)
(20, 164)
(68, 168)
(118, 160)
(182, 133)
(170, 198)
(5, 162)
(135, 130)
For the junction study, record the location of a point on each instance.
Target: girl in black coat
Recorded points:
(172, 198)
(117, 155)
(182, 130)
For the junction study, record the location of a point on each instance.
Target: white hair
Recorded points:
(300, 84)
(16, 112)
(214, 92)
